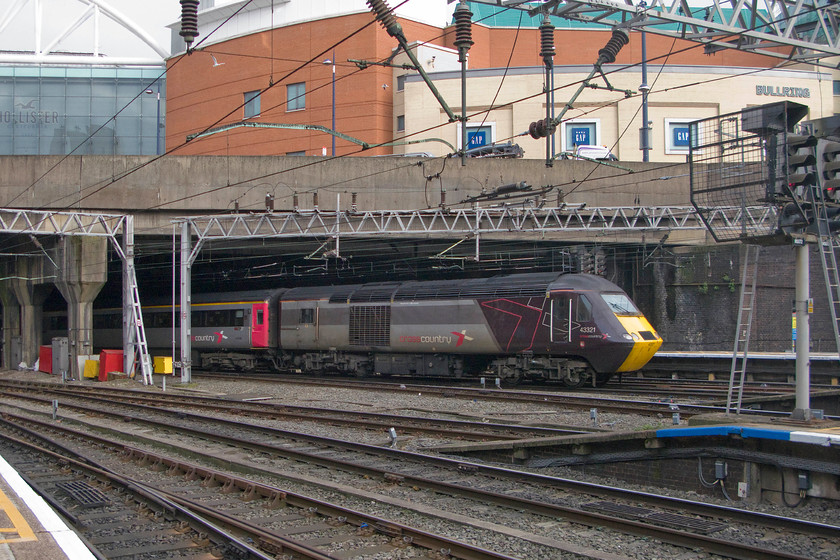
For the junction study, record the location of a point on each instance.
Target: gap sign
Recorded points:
(476, 139)
(680, 136)
(580, 136)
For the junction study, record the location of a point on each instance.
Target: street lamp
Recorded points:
(328, 61)
(157, 117)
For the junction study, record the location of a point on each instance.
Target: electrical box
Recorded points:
(803, 479)
(61, 355)
(720, 469)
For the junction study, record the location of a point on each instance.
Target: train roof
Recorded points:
(533, 284)
(225, 297)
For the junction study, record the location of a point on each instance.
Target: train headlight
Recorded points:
(636, 336)
(627, 336)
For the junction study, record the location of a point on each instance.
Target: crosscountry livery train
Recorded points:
(571, 328)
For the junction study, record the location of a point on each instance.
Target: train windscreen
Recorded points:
(620, 304)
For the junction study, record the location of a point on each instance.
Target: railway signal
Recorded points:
(828, 168)
(800, 161)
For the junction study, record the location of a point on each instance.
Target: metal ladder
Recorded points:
(738, 371)
(827, 244)
(139, 330)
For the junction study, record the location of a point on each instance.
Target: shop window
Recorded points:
(479, 135)
(677, 137)
(580, 133)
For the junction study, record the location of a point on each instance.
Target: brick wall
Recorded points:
(692, 299)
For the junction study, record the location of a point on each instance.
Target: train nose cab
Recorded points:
(604, 328)
(646, 341)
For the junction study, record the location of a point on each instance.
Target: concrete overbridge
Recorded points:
(304, 198)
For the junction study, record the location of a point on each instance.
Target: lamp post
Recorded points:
(157, 117)
(328, 61)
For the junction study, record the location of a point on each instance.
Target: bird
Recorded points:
(216, 62)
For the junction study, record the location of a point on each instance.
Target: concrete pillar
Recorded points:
(82, 271)
(29, 284)
(11, 313)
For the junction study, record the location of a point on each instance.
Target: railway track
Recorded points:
(613, 398)
(116, 516)
(441, 427)
(216, 503)
(255, 448)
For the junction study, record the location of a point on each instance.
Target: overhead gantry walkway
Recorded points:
(799, 30)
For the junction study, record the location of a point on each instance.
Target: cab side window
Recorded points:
(583, 310)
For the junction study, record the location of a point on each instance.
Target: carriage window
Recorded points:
(307, 316)
(239, 318)
(583, 311)
(620, 304)
(260, 316)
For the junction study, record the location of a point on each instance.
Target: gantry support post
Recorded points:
(83, 270)
(11, 318)
(802, 411)
(30, 290)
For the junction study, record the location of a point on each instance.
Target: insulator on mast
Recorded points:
(547, 51)
(542, 128)
(189, 21)
(617, 41)
(463, 29)
(386, 17)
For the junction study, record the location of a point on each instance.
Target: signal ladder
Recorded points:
(827, 243)
(746, 305)
(139, 330)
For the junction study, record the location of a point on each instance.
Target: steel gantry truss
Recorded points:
(110, 226)
(442, 223)
(802, 30)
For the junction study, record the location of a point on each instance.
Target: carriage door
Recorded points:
(259, 325)
(571, 315)
(561, 317)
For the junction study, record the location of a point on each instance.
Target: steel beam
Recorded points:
(787, 29)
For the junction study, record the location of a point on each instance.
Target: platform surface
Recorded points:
(29, 528)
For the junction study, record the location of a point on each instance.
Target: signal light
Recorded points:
(800, 159)
(828, 168)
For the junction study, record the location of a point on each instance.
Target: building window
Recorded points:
(401, 123)
(296, 96)
(401, 83)
(252, 104)
(301, 153)
(580, 133)
(677, 136)
(836, 84)
(477, 136)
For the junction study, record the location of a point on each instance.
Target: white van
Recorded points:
(595, 152)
